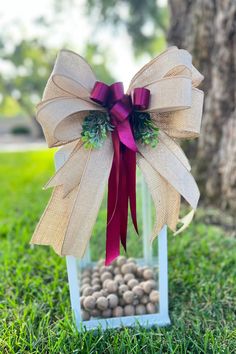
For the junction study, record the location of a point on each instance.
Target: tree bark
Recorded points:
(207, 28)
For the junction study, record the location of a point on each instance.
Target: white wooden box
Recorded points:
(161, 318)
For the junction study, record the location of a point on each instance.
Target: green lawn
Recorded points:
(35, 312)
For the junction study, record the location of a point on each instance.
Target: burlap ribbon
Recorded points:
(176, 108)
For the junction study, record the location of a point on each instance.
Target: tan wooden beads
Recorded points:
(121, 289)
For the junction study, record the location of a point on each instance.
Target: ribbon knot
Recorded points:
(122, 179)
(120, 107)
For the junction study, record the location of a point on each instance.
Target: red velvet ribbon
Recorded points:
(122, 179)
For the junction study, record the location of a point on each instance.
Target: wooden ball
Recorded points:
(153, 283)
(132, 283)
(116, 270)
(128, 297)
(85, 280)
(133, 267)
(86, 273)
(106, 313)
(138, 291)
(154, 296)
(95, 281)
(145, 267)
(128, 277)
(139, 272)
(140, 309)
(148, 274)
(104, 284)
(112, 301)
(142, 283)
(85, 315)
(100, 262)
(122, 301)
(96, 276)
(104, 292)
(95, 313)
(135, 302)
(97, 294)
(122, 289)
(117, 311)
(102, 269)
(144, 299)
(96, 287)
(129, 310)
(88, 291)
(111, 286)
(126, 268)
(84, 287)
(102, 303)
(89, 302)
(131, 260)
(147, 287)
(119, 279)
(82, 301)
(105, 276)
(151, 308)
(120, 261)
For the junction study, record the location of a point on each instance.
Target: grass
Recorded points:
(34, 300)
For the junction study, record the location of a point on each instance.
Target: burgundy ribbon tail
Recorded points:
(121, 191)
(122, 179)
(113, 216)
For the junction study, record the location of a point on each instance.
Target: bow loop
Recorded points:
(116, 92)
(141, 98)
(100, 93)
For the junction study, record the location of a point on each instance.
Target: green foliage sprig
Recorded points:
(144, 129)
(95, 128)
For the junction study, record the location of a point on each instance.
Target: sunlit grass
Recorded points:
(34, 299)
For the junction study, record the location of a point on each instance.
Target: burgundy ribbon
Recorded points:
(122, 179)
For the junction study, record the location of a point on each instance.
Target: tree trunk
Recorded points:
(207, 28)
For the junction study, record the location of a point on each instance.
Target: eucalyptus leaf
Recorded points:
(95, 127)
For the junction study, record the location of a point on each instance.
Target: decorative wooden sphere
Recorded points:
(87, 291)
(140, 309)
(106, 275)
(120, 261)
(127, 268)
(138, 291)
(122, 289)
(151, 308)
(128, 277)
(154, 296)
(102, 303)
(128, 297)
(106, 313)
(111, 286)
(112, 301)
(85, 315)
(132, 283)
(89, 302)
(148, 274)
(129, 310)
(118, 311)
(147, 287)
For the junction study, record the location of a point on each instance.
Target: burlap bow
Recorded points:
(176, 108)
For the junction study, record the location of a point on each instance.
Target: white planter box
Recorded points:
(73, 265)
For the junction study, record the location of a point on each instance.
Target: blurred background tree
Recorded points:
(145, 21)
(22, 86)
(208, 30)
